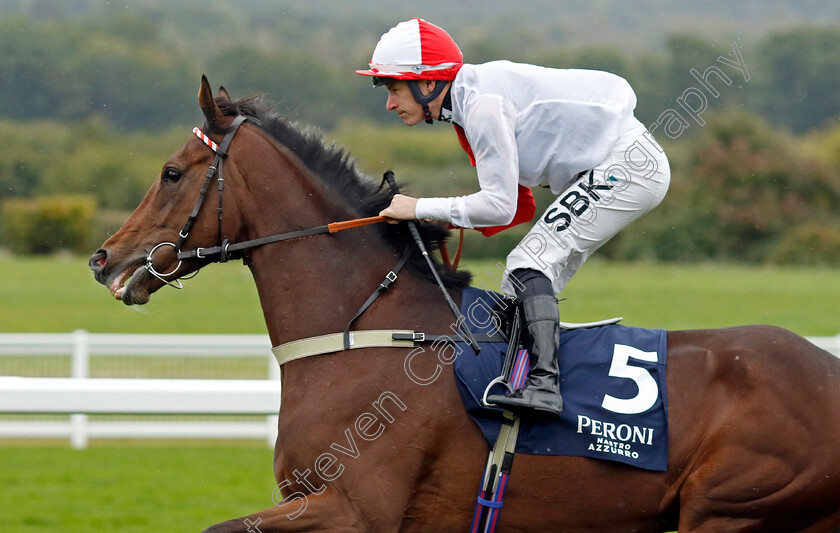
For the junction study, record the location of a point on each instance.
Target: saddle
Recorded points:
(611, 377)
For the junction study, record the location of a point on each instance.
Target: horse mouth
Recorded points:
(130, 285)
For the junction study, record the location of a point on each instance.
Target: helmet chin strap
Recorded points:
(425, 99)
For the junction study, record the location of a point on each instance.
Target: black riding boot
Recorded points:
(540, 320)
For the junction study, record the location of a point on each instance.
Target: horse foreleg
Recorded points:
(329, 511)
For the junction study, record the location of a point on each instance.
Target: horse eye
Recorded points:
(171, 174)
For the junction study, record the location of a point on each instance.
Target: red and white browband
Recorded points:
(205, 139)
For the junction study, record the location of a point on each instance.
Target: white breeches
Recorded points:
(631, 181)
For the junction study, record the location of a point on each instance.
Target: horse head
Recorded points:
(143, 255)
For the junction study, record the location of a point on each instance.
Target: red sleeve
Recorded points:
(526, 207)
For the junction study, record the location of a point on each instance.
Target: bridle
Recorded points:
(215, 170)
(227, 250)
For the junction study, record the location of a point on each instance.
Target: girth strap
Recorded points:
(378, 338)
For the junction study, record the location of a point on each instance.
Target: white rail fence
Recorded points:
(829, 344)
(81, 395)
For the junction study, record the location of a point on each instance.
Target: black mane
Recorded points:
(337, 169)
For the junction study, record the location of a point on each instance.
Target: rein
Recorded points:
(226, 248)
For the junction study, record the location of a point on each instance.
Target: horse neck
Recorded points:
(313, 285)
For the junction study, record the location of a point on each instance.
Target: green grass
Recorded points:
(150, 487)
(60, 295)
(804, 300)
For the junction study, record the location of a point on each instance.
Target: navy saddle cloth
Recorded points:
(612, 379)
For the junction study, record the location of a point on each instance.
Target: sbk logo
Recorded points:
(575, 203)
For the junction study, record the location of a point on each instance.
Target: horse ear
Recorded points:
(224, 94)
(208, 104)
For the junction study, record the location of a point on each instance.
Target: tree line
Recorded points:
(136, 75)
(91, 108)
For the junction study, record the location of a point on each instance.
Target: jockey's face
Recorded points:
(401, 101)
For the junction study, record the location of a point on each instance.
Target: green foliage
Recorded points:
(55, 70)
(88, 88)
(47, 224)
(742, 193)
(28, 151)
(376, 148)
(305, 90)
(798, 69)
(824, 144)
(139, 67)
(808, 244)
(739, 189)
(99, 163)
(87, 159)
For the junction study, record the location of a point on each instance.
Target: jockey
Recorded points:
(524, 126)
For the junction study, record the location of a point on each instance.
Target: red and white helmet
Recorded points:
(415, 50)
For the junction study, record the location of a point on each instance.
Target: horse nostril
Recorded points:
(98, 260)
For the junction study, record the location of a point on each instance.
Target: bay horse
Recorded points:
(754, 441)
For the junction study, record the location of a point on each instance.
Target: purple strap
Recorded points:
(489, 503)
(487, 511)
